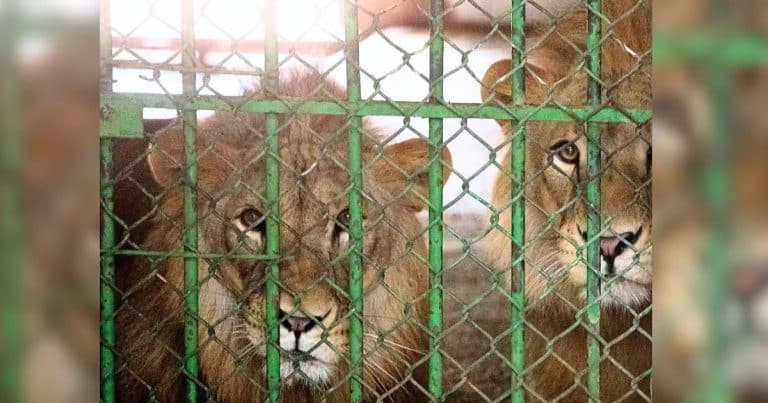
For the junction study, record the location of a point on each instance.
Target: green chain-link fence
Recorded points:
(604, 122)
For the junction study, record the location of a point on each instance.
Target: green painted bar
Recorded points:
(107, 328)
(716, 193)
(191, 281)
(435, 297)
(11, 329)
(743, 49)
(352, 55)
(119, 117)
(382, 108)
(517, 319)
(272, 291)
(272, 197)
(107, 266)
(594, 97)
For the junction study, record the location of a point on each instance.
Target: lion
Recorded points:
(313, 307)
(556, 209)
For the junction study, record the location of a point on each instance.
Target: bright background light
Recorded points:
(316, 20)
(398, 60)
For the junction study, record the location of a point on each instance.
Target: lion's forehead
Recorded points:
(625, 140)
(625, 91)
(615, 137)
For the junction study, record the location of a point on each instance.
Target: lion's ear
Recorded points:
(497, 82)
(166, 156)
(403, 170)
(167, 162)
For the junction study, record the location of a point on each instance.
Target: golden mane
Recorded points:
(313, 150)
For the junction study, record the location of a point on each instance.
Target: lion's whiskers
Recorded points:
(394, 344)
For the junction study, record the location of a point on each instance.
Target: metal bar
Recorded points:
(743, 49)
(379, 108)
(517, 323)
(352, 56)
(594, 97)
(107, 324)
(11, 333)
(716, 192)
(272, 196)
(107, 276)
(191, 281)
(435, 296)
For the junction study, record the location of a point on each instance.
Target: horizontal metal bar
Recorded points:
(115, 102)
(741, 49)
(120, 117)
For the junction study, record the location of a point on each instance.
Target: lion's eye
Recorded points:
(342, 220)
(566, 151)
(252, 220)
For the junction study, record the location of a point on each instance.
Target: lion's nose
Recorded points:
(613, 246)
(298, 324)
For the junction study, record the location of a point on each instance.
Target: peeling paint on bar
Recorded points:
(517, 295)
(272, 197)
(594, 97)
(435, 226)
(191, 281)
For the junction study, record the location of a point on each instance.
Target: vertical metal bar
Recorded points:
(107, 325)
(107, 275)
(594, 97)
(10, 239)
(355, 206)
(716, 194)
(435, 322)
(272, 196)
(191, 286)
(518, 204)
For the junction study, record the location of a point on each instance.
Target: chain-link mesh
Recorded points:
(285, 249)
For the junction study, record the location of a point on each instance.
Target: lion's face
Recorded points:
(557, 176)
(314, 271)
(313, 249)
(624, 244)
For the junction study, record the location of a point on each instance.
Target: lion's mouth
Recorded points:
(624, 291)
(302, 366)
(623, 281)
(299, 356)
